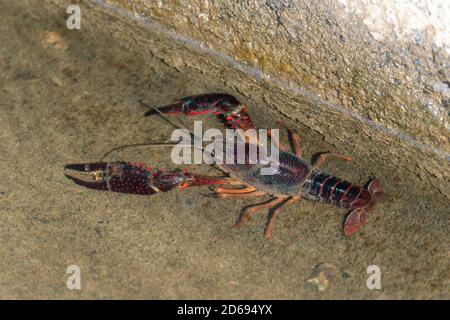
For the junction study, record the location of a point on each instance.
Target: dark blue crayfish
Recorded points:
(293, 179)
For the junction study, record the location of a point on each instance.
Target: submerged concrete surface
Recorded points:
(69, 96)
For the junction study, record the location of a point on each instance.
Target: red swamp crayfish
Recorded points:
(294, 178)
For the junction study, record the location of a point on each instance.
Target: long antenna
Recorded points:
(176, 125)
(154, 144)
(179, 125)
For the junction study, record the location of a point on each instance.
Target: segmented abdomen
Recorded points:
(330, 189)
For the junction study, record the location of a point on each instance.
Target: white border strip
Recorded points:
(258, 74)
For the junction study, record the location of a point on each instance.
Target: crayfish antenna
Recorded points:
(147, 144)
(161, 114)
(178, 126)
(154, 110)
(170, 109)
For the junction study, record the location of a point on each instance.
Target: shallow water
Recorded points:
(70, 99)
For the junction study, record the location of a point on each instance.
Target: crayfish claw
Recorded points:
(123, 177)
(87, 167)
(91, 176)
(98, 185)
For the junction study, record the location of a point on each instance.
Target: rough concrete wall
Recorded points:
(405, 20)
(350, 86)
(317, 46)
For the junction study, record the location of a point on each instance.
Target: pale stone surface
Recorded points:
(411, 20)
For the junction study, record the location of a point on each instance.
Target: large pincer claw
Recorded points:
(113, 176)
(124, 177)
(89, 175)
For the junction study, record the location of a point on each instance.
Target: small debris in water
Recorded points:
(53, 38)
(322, 276)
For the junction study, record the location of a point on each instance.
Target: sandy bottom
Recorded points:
(70, 96)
